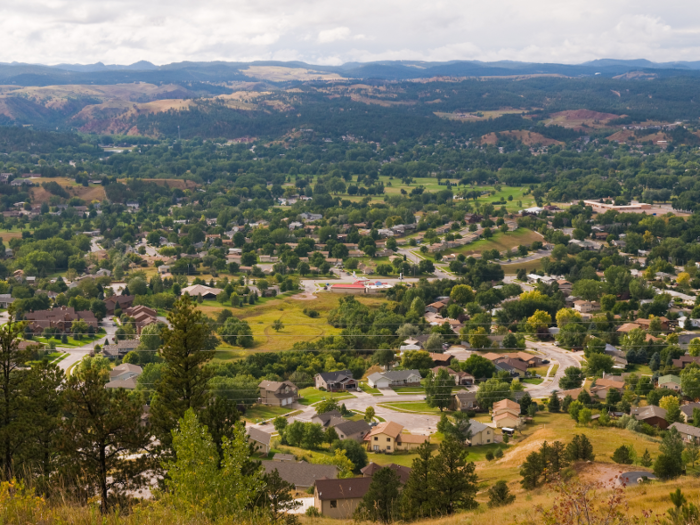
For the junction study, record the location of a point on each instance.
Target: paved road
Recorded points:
(413, 258)
(511, 279)
(564, 358)
(78, 353)
(532, 257)
(94, 246)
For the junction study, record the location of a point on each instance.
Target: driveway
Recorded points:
(564, 358)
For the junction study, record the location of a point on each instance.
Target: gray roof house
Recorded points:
(394, 378)
(120, 349)
(262, 440)
(303, 475)
(688, 432)
(325, 418)
(348, 429)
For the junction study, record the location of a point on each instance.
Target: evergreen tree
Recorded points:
(525, 403)
(566, 402)
(554, 405)
(580, 449)
(646, 459)
(499, 495)
(622, 455)
(669, 463)
(556, 457)
(14, 419)
(277, 494)
(220, 417)
(184, 379)
(101, 428)
(417, 499)
(453, 478)
(532, 470)
(380, 503)
(438, 389)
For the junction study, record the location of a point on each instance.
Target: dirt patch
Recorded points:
(529, 138)
(581, 119)
(88, 194)
(605, 473)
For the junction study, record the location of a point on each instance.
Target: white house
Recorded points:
(394, 378)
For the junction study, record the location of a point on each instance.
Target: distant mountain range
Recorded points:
(41, 75)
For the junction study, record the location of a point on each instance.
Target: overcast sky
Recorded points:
(333, 32)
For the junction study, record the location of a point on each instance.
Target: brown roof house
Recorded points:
(389, 437)
(118, 301)
(142, 315)
(338, 498)
(602, 386)
(687, 411)
(651, 415)
(278, 393)
(464, 401)
(403, 472)
(61, 318)
(461, 378)
(506, 413)
(335, 381)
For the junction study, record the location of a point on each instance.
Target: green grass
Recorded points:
(500, 241)
(266, 412)
(370, 390)
(311, 395)
(420, 407)
(639, 369)
(409, 389)
(72, 343)
(532, 381)
(529, 267)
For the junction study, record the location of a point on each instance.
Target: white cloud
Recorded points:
(318, 31)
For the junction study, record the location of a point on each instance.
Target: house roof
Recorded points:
(628, 327)
(504, 404)
(274, 386)
(504, 415)
(125, 367)
(327, 416)
(610, 383)
(394, 375)
(647, 412)
(688, 408)
(301, 474)
(518, 364)
(687, 429)
(259, 435)
(477, 426)
(669, 378)
(465, 396)
(129, 384)
(389, 428)
(200, 289)
(336, 376)
(441, 357)
(349, 427)
(492, 356)
(403, 472)
(349, 488)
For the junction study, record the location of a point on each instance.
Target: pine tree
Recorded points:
(499, 495)
(13, 414)
(532, 470)
(417, 500)
(454, 479)
(622, 455)
(556, 457)
(580, 449)
(277, 495)
(554, 405)
(184, 380)
(380, 503)
(646, 459)
(101, 429)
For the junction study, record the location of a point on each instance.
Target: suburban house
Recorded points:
(585, 307)
(325, 419)
(480, 434)
(142, 315)
(441, 359)
(278, 393)
(199, 289)
(687, 411)
(348, 429)
(335, 381)
(685, 360)
(260, 439)
(646, 323)
(651, 415)
(338, 498)
(506, 413)
(302, 474)
(618, 356)
(118, 301)
(393, 378)
(388, 437)
(119, 349)
(529, 359)
(435, 307)
(61, 318)
(461, 378)
(402, 472)
(6, 300)
(689, 433)
(670, 381)
(602, 386)
(514, 367)
(463, 401)
(124, 376)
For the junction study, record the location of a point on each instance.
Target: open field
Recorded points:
(500, 241)
(581, 119)
(171, 183)
(480, 115)
(411, 406)
(265, 412)
(298, 326)
(86, 193)
(529, 266)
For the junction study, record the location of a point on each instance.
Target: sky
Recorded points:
(332, 32)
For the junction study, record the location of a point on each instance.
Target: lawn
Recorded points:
(72, 343)
(528, 266)
(500, 241)
(370, 390)
(266, 412)
(298, 327)
(532, 381)
(409, 389)
(420, 407)
(639, 369)
(311, 395)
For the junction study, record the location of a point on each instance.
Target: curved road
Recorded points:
(564, 358)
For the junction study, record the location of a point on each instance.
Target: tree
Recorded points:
(278, 495)
(460, 429)
(462, 294)
(622, 455)
(434, 343)
(492, 391)
(669, 463)
(277, 325)
(574, 409)
(554, 405)
(499, 495)
(102, 428)
(453, 478)
(417, 493)
(584, 416)
(646, 459)
(694, 347)
(201, 480)
(354, 451)
(690, 382)
(369, 414)
(599, 364)
(184, 381)
(479, 338)
(438, 389)
(573, 378)
(588, 289)
(416, 360)
(479, 367)
(327, 405)
(539, 321)
(12, 391)
(380, 502)
(672, 407)
(691, 453)
(532, 470)
(580, 449)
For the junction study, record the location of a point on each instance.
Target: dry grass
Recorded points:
(529, 138)
(87, 193)
(282, 74)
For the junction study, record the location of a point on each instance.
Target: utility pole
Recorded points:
(178, 132)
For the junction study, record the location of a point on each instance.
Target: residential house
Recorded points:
(61, 318)
(602, 386)
(515, 367)
(402, 472)
(435, 307)
(6, 300)
(670, 381)
(441, 359)
(463, 401)
(480, 434)
(205, 291)
(393, 378)
(461, 378)
(506, 413)
(348, 429)
(124, 376)
(300, 473)
(278, 393)
(335, 381)
(310, 216)
(585, 307)
(325, 419)
(530, 360)
(388, 437)
(338, 498)
(120, 302)
(627, 328)
(260, 439)
(687, 411)
(651, 415)
(689, 433)
(620, 361)
(119, 349)
(142, 315)
(685, 360)
(646, 323)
